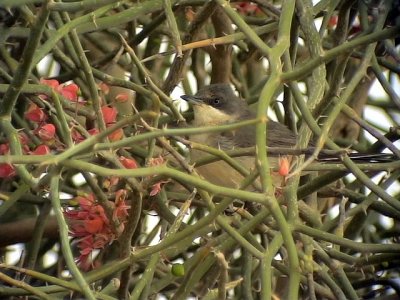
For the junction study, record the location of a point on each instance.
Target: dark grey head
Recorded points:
(219, 96)
(217, 104)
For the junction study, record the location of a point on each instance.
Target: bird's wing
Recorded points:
(278, 135)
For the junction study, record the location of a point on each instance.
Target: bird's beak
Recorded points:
(193, 99)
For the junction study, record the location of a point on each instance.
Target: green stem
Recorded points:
(356, 246)
(328, 55)
(245, 28)
(27, 63)
(65, 242)
(266, 267)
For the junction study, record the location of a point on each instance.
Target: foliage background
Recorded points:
(129, 56)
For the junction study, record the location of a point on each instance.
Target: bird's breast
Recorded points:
(223, 174)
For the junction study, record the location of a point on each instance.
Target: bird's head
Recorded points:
(216, 104)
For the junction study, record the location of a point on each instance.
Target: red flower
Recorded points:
(333, 21)
(47, 132)
(104, 87)
(93, 131)
(94, 225)
(116, 135)
(114, 180)
(86, 247)
(77, 137)
(153, 162)
(4, 148)
(121, 209)
(7, 171)
(41, 150)
(91, 226)
(68, 91)
(24, 140)
(247, 8)
(100, 241)
(109, 114)
(284, 166)
(50, 82)
(110, 182)
(156, 188)
(128, 163)
(86, 202)
(35, 114)
(156, 161)
(122, 97)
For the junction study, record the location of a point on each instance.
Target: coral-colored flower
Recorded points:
(153, 162)
(24, 140)
(93, 131)
(47, 132)
(128, 163)
(7, 171)
(104, 87)
(41, 150)
(35, 113)
(91, 227)
(77, 137)
(121, 208)
(86, 202)
(94, 225)
(284, 166)
(50, 82)
(109, 114)
(110, 182)
(156, 188)
(122, 97)
(247, 8)
(85, 246)
(69, 91)
(156, 161)
(116, 135)
(333, 21)
(114, 180)
(4, 148)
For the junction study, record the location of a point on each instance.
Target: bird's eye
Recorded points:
(215, 102)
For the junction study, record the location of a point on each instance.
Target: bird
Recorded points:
(217, 104)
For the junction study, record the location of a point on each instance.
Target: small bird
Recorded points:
(217, 104)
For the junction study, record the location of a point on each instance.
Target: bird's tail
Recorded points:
(360, 157)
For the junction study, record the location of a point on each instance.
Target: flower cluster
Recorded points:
(90, 226)
(68, 91)
(46, 131)
(8, 170)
